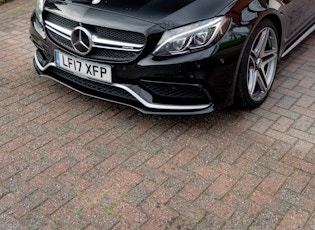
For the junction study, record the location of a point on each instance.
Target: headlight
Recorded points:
(192, 37)
(39, 9)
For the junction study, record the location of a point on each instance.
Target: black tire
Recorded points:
(258, 66)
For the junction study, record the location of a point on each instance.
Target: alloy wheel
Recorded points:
(262, 64)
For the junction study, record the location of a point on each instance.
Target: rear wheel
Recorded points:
(258, 66)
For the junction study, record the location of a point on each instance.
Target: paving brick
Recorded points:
(266, 114)
(187, 209)
(182, 223)
(159, 215)
(281, 136)
(222, 210)
(74, 182)
(302, 135)
(163, 195)
(172, 186)
(63, 196)
(132, 216)
(272, 183)
(291, 114)
(17, 211)
(261, 198)
(210, 222)
(275, 165)
(59, 168)
(100, 218)
(254, 152)
(205, 202)
(206, 171)
(301, 149)
(140, 192)
(282, 124)
(209, 154)
(279, 206)
(305, 101)
(311, 223)
(246, 185)
(8, 200)
(298, 181)
(184, 156)
(159, 159)
(18, 185)
(300, 202)
(173, 170)
(294, 220)
(114, 161)
(221, 187)
(47, 184)
(47, 208)
(194, 188)
(278, 150)
(266, 220)
(10, 222)
(39, 221)
(68, 219)
(262, 125)
(250, 167)
(82, 167)
(299, 164)
(34, 200)
(136, 160)
(239, 203)
(232, 153)
(239, 220)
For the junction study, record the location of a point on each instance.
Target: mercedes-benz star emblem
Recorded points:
(81, 40)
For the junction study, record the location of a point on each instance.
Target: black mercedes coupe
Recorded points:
(168, 56)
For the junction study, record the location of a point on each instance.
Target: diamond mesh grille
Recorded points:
(104, 54)
(92, 85)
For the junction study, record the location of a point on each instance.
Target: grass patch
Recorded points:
(76, 212)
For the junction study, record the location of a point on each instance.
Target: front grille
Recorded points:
(61, 21)
(90, 87)
(120, 35)
(98, 53)
(61, 41)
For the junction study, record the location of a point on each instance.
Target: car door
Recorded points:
(298, 16)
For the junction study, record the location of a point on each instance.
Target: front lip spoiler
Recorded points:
(155, 107)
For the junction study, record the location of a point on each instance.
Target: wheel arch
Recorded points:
(277, 23)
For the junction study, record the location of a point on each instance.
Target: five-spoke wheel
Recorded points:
(258, 65)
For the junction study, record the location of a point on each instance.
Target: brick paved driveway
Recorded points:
(71, 162)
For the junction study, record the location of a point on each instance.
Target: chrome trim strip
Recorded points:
(97, 41)
(160, 106)
(133, 93)
(43, 68)
(308, 32)
(116, 44)
(131, 49)
(58, 29)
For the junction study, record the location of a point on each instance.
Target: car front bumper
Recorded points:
(196, 83)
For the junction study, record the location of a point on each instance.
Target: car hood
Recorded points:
(166, 13)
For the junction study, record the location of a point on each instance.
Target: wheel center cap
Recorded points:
(258, 63)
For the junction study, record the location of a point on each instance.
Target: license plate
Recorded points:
(83, 68)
